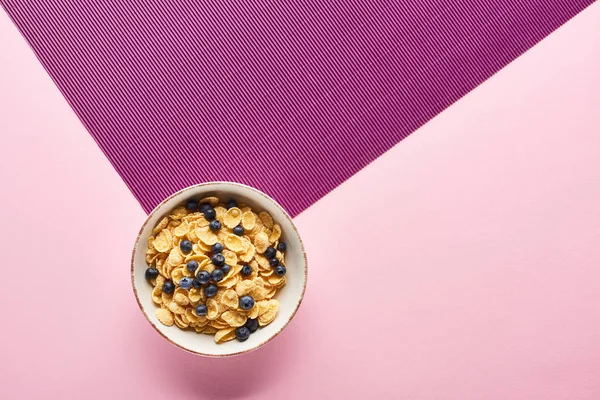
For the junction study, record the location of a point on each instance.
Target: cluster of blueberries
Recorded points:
(210, 214)
(208, 280)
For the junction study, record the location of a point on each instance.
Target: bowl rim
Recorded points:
(208, 184)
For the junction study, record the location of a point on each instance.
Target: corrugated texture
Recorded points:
(290, 97)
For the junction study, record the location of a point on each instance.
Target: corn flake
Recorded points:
(195, 295)
(209, 330)
(165, 317)
(232, 217)
(275, 234)
(161, 225)
(230, 298)
(234, 243)
(175, 257)
(219, 324)
(263, 262)
(230, 257)
(180, 297)
(178, 213)
(199, 258)
(244, 287)
(248, 255)
(206, 236)
(266, 219)
(182, 229)
(234, 318)
(229, 282)
(213, 309)
(202, 321)
(181, 321)
(176, 308)
(177, 274)
(271, 293)
(220, 211)
(166, 298)
(248, 220)
(202, 222)
(191, 316)
(162, 241)
(213, 201)
(157, 294)
(224, 335)
(265, 318)
(261, 242)
(275, 279)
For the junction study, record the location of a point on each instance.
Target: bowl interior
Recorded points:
(289, 296)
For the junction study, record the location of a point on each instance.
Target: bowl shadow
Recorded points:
(221, 378)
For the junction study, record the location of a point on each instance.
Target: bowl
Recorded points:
(289, 297)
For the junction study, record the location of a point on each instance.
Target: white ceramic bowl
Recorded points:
(290, 296)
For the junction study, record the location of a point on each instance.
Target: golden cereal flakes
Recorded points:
(216, 268)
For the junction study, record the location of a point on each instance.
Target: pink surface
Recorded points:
(491, 293)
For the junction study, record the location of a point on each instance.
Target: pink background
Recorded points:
(463, 264)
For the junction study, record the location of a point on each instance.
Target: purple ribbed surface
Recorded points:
(290, 97)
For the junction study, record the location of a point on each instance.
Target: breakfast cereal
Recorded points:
(215, 268)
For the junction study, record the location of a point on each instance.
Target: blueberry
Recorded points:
(217, 275)
(270, 252)
(274, 262)
(196, 284)
(218, 260)
(203, 207)
(191, 205)
(252, 325)
(246, 302)
(168, 287)
(201, 310)
(210, 290)
(242, 333)
(238, 230)
(192, 266)
(282, 246)
(214, 225)
(151, 273)
(246, 270)
(225, 268)
(203, 277)
(185, 283)
(210, 214)
(185, 246)
(231, 203)
(217, 248)
(280, 270)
